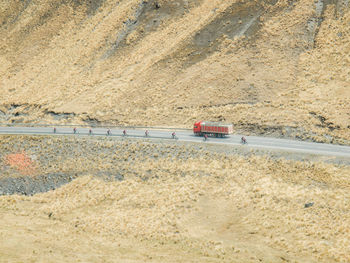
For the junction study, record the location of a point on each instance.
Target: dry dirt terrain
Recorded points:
(272, 65)
(146, 201)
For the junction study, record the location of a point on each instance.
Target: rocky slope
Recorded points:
(273, 66)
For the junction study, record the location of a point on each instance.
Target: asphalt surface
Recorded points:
(188, 136)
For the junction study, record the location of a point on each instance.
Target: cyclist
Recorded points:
(205, 137)
(243, 140)
(74, 130)
(146, 133)
(54, 130)
(90, 131)
(124, 133)
(109, 132)
(173, 135)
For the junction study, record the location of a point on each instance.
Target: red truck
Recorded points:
(212, 128)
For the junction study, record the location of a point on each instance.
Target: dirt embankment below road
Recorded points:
(273, 66)
(167, 202)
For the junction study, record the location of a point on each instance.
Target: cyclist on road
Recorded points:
(173, 135)
(90, 131)
(54, 130)
(124, 132)
(109, 132)
(74, 130)
(243, 140)
(205, 137)
(146, 133)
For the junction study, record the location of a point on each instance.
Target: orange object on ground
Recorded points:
(22, 162)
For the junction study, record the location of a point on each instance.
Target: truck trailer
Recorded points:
(212, 128)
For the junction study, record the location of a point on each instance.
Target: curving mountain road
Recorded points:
(187, 136)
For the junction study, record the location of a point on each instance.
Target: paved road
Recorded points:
(253, 141)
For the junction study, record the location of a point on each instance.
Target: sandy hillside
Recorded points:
(144, 201)
(277, 66)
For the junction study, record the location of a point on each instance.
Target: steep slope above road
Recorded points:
(277, 66)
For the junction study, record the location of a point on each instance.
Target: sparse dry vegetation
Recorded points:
(174, 202)
(262, 65)
(271, 67)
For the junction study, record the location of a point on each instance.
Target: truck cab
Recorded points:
(197, 128)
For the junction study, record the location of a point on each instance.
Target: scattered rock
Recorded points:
(156, 5)
(308, 205)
